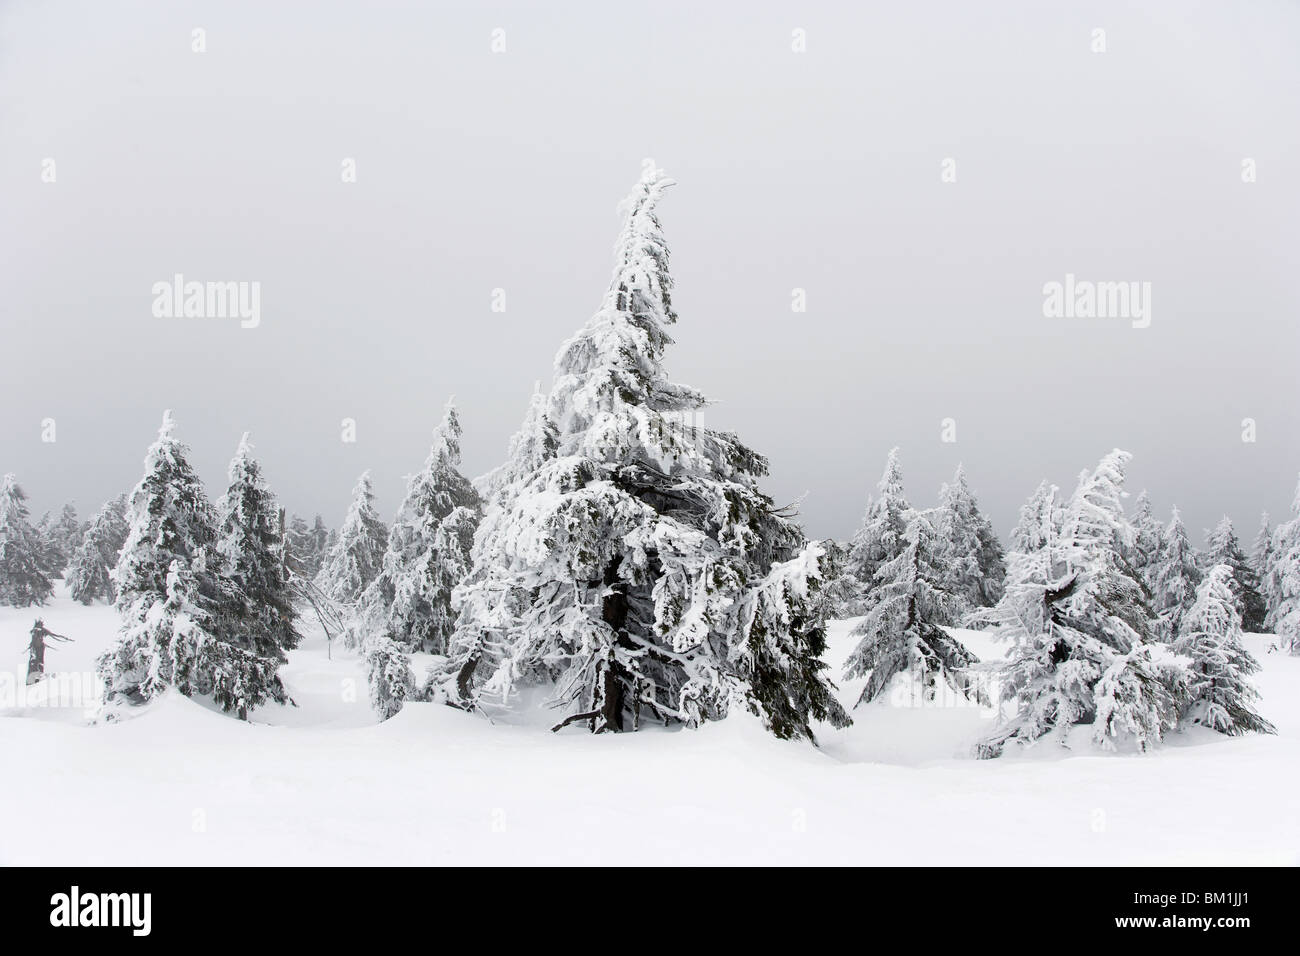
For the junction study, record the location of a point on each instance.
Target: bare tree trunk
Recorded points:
(615, 678)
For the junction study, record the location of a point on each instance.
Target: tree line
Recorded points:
(628, 561)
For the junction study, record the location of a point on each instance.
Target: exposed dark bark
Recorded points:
(466, 674)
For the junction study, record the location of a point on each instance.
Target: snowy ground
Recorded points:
(323, 784)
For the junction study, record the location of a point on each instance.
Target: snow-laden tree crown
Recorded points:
(628, 559)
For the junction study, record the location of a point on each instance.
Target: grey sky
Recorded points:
(817, 170)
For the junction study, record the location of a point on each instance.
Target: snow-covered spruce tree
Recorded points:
(358, 554)
(51, 557)
(881, 537)
(174, 606)
(24, 578)
(428, 552)
(298, 545)
(388, 673)
(321, 540)
(1210, 636)
(1263, 557)
(67, 532)
(639, 568)
(252, 560)
(90, 575)
(1222, 547)
(1285, 536)
(1147, 535)
(308, 546)
(1037, 527)
(970, 547)
(1286, 619)
(493, 594)
(1173, 578)
(1083, 649)
(844, 595)
(909, 604)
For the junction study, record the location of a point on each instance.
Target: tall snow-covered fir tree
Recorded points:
(250, 549)
(638, 567)
(1147, 536)
(1222, 696)
(357, 555)
(428, 552)
(53, 561)
(1038, 525)
(308, 546)
(493, 593)
(174, 604)
(319, 544)
(969, 546)
(911, 600)
(1083, 648)
(90, 575)
(407, 607)
(24, 575)
(1262, 557)
(1173, 577)
(67, 532)
(844, 595)
(882, 536)
(298, 547)
(1222, 547)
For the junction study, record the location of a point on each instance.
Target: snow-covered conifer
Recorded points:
(176, 626)
(882, 535)
(493, 593)
(637, 568)
(1082, 631)
(1173, 577)
(1286, 619)
(1037, 526)
(251, 556)
(24, 575)
(358, 553)
(1221, 694)
(67, 532)
(844, 595)
(176, 643)
(428, 551)
(1147, 535)
(908, 606)
(90, 575)
(1263, 557)
(51, 557)
(308, 546)
(388, 673)
(321, 538)
(1222, 547)
(969, 546)
(298, 546)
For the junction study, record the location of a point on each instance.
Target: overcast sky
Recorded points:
(818, 170)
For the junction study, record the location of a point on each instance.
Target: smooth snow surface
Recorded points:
(322, 783)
